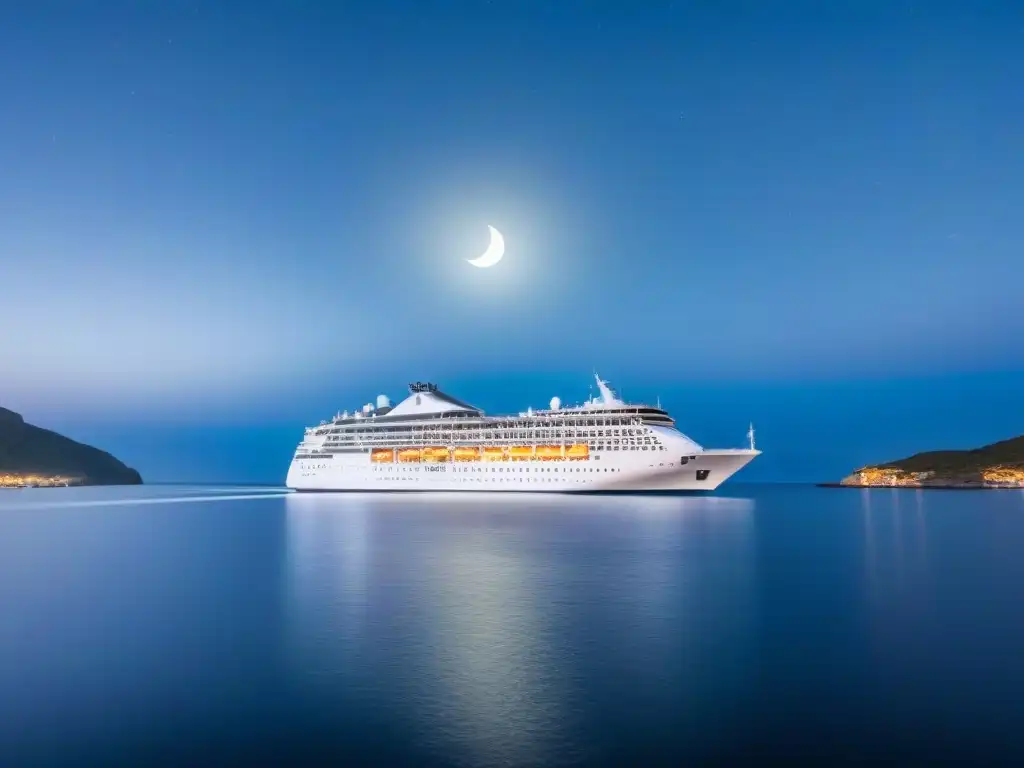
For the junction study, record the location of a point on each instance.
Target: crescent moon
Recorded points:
(494, 251)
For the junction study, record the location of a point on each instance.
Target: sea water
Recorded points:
(208, 626)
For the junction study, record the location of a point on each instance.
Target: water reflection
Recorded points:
(488, 649)
(681, 611)
(485, 630)
(920, 529)
(327, 548)
(480, 621)
(941, 567)
(436, 617)
(896, 562)
(870, 556)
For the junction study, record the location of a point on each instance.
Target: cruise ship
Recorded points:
(433, 442)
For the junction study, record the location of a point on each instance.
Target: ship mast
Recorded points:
(750, 436)
(607, 396)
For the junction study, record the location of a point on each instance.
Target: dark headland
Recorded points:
(31, 456)
(999, 465)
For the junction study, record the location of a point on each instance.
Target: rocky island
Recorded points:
(35, 457)
(999, 465)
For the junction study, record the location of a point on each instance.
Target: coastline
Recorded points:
(14, 481)
(1000, 469)
(922, 487)
(33, 457)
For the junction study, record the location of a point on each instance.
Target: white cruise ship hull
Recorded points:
(611, 472)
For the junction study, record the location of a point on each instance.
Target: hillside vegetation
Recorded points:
(30, 455)
(999, 465)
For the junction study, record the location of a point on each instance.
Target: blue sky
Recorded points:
(223, 221)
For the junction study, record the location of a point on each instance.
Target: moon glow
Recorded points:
(494, 251)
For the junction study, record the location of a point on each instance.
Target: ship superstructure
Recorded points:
(433, 442)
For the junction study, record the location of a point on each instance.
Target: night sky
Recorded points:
(221, 222)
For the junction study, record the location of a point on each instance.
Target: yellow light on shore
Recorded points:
(888, 477)
(17, 480)
(1013, 476)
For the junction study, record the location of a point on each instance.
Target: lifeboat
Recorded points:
(520, 452)
(494, 454)
(549, 452)
(578, 451)
(434, 454)
(409, 454)
(466, 454)
(382, 455)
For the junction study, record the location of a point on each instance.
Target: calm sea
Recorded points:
(208, 626)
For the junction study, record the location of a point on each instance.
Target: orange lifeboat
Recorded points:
(382, 455)
(521, 452)
(578, 451)
(409, 454)
(549, 452)
(494, 454)
(466, 454)
(435, 454)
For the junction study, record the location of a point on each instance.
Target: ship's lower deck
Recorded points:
(611, 472)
